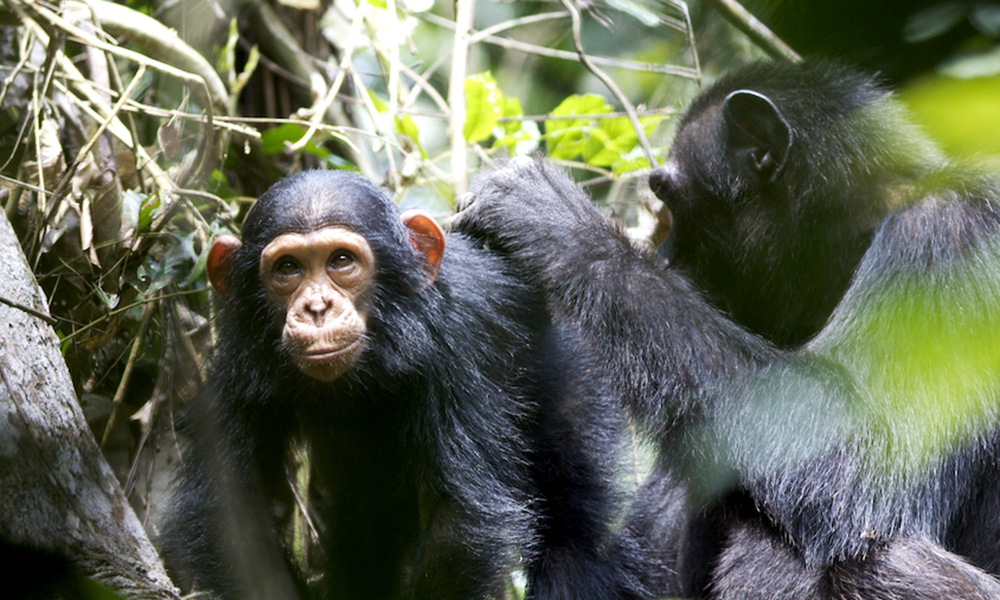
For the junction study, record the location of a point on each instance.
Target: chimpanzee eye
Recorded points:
(287, 267)
(341, 259)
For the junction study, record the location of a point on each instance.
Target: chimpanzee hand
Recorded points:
(535, 213)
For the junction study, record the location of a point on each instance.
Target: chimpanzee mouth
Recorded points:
(325, 355)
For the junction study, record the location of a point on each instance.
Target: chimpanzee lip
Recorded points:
(325, 355)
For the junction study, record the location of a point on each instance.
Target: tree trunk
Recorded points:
(56, 491)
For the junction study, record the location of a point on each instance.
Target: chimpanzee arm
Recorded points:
(473, 500)
(631, 310)
(789, 427)
(920, 326)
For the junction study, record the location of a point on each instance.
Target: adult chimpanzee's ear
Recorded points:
(428, 239)
(220, 258)
(756, 124)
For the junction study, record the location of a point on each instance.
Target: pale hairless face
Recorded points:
(320, 279)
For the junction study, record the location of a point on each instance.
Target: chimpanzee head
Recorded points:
(776, 180)
(319, 251)
(758, 139)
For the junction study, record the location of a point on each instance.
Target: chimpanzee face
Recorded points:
(320, 281)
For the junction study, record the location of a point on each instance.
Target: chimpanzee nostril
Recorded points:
(661, 179)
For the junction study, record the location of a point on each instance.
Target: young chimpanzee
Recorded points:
(811, 209)
(454, 434)
(856, 467)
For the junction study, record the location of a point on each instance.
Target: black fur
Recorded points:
(669, 353)
(849, 465)
(869, 250)
(778, 253)
(471, 435)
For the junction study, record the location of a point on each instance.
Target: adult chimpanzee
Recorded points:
(453, 431)
(857, 466)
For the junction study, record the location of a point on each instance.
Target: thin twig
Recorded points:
(464, 12)
(116, 402)
(741, 18)
(95, 106)
(422, 84)
(321, 107)
(164, 43)
(610, 115)
(84, 38)
(622, 98)
(631, 65)
(112, 115)
(480, 36)
(25, 185)
(683, 8)
(113, 313)
(228, 123)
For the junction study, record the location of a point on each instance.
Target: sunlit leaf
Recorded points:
(567, 138)
(405, 126)
(483, 105)
(511, 109)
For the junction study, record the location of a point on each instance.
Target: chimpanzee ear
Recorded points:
(427, 238)
(220, 258)
(755, 124)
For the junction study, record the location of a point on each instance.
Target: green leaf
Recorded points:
(609, 141)
(568, 138)
(483, 102)
(406, 127)
(146, 211)
(274, 140)
(630, 162)
(377, 102)
(519, 137)
(511, 108)
(615, 138)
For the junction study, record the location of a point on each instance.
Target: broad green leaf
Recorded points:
(272, 141)
(582, 104)
(630, 163)
(519, 137)
(483, 102)
(568, 138)
(615, 138)
(609, 141)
